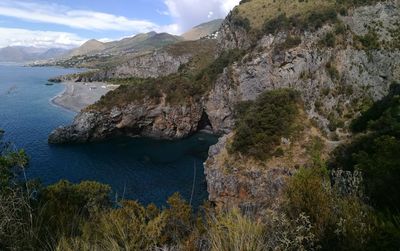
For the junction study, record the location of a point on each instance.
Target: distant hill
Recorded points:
(21, 54)
(90, 47)
(135, 44)
(202, 30)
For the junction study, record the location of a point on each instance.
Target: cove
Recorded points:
(141, 169)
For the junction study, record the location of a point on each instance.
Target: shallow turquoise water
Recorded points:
(142, 169)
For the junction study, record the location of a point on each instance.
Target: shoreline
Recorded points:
(77, 96)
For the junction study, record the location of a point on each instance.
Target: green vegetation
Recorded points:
(374, 153)
(329, 40)
(178, 88)
(271, 16)
(339, 221)
(258, 12)
(262, 123)
(369, 41)
(352, 207)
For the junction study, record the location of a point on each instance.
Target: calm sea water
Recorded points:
(141, 169)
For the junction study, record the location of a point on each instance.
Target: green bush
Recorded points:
(239, 21)
(261, 124)
(329, 40)
(375, 151)
(369, 41)
(311, 21)
(340, 222)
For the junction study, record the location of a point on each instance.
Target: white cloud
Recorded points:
(189, 13)
(40, 39)
(184, 13)
(82, 19)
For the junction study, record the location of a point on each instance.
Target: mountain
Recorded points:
(22, 54)
(90, 47)
(138, 43)
(203, 30)
(95, 54)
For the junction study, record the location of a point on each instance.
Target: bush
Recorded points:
(261, 124)
(369, 41)
(64, 207)
(329, 40)
(340, 222)
(235, 232)
(311, 21)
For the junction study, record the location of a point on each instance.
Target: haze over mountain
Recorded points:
(21, 54)
(135, 44)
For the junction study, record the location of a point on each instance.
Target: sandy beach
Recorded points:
(77, 96)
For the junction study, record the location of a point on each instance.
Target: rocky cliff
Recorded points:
(335, 83)
(145, 118)
(338, 69)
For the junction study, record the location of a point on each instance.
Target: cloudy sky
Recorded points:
(68, 23)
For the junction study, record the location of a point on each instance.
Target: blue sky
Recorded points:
(68, 23)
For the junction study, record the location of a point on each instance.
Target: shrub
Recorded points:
(63, 207)
(311, 21)
(369, 41)
(274, 25)
(235, 232)
(261, 124)
(130, 227)
(239, 21)
(329, 40)
(340, 222)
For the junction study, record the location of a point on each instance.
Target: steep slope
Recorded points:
(202, 30)
(339, 69)
(338, 59)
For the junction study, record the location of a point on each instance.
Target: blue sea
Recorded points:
(141, 169)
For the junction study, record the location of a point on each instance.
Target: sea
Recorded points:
(141, 169)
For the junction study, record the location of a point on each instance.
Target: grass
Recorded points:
(258, 11)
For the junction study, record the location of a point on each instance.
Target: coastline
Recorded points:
(77, 96)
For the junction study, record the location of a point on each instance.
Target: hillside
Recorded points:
(202, 30)
(95, 54)
(305, 98)
(90, 47)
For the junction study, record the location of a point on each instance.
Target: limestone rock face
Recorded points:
(334, 84)
(152, 65)
(249, 189)
(146, 119)
(231, 36)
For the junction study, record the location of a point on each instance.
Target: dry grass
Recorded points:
(259, 11)
(234, 232)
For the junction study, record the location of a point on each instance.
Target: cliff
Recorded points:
(339, 64)
(336, 82)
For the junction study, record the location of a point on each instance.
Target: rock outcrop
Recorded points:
(147, 119)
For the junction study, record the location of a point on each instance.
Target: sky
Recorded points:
(69, 23)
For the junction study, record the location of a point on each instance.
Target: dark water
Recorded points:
(142, 169)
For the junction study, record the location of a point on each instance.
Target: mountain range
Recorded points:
(93, 49)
